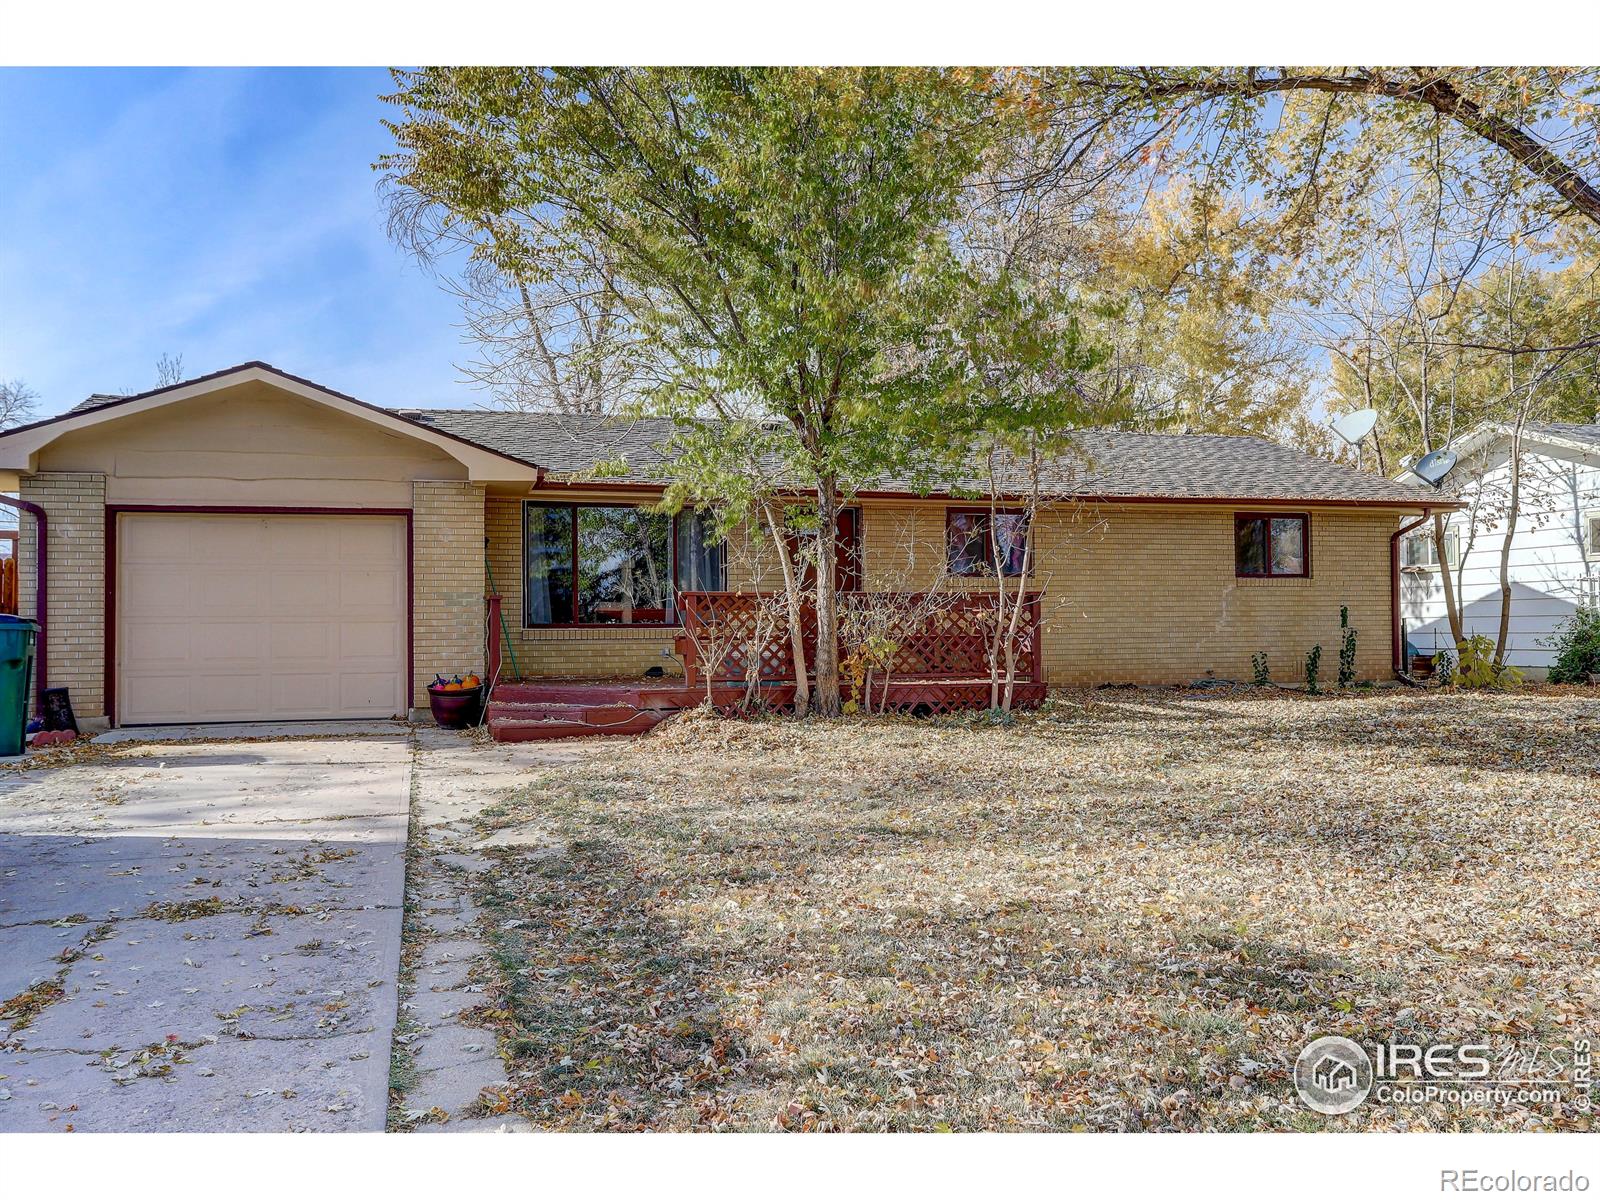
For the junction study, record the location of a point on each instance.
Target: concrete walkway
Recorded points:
(203, 935)
(455, 1080)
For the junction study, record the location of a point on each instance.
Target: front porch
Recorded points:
(911, 653)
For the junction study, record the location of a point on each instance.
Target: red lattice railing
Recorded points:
(936, 637)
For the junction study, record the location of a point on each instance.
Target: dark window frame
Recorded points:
(985, 569)
(849, 553)
(1304, 518)
(573, 506)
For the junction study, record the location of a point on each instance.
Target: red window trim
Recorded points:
(672, 553)
(1305, 545)
(987, 567)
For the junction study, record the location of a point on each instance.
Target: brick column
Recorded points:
(447, 581)
(75, 505)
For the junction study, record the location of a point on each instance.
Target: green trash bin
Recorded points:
(17, 637)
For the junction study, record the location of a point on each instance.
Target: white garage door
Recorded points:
(256, 617)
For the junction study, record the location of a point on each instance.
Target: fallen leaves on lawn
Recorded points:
(1129, 911)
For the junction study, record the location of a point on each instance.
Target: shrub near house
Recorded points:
(1576, 643)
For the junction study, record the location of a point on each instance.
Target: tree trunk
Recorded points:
(1513, 509)
(994, 647)
(1011, 676)
(1451, 608)
(826, 701)
(998, 640)
(792, 598)
(1017, 605)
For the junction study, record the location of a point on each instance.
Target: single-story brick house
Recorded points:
(251, 545)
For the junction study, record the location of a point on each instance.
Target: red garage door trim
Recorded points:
(113, 511)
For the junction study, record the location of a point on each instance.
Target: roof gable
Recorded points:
(514, 446)
(20, 445)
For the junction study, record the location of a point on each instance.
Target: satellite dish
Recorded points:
(1354, 427)
(1433, 467)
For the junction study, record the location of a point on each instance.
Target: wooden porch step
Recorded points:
(573, 692)
(667, 695)
(552, 728)
(546, 712)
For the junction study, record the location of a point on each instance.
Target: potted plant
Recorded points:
(456, 703)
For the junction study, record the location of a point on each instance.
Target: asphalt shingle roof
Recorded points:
(1113, 463)
(98, 400)
(1589, 434)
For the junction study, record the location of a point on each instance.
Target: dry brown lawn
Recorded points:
(1129, 911)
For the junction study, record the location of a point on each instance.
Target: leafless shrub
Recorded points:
(17, 402)
(169, 370)
(715, 638)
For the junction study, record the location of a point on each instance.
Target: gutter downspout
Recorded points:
(41, 602)
(1394, 586)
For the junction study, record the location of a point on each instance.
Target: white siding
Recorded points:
(1552, 570)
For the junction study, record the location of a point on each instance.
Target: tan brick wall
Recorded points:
(1152, 597)
(1138, 593)
(447, 581)
(1147, 593)
(75, 507)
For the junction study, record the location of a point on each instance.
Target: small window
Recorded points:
(1591, 532)
(699, 557)
(1420, 551)
(1268, 545)
(973, 535)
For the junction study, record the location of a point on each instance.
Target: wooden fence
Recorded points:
(940, 637)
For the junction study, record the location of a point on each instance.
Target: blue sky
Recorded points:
(224, 215)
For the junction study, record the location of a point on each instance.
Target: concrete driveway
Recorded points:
(203, 935)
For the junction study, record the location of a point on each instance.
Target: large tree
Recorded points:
(770, 234)
(1328, 201)
(1171, 279)
(1305, 129)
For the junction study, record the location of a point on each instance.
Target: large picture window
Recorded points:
(1270, 545)
(595, 564)
(972, 535)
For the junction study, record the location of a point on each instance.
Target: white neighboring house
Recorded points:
(1554, 565)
